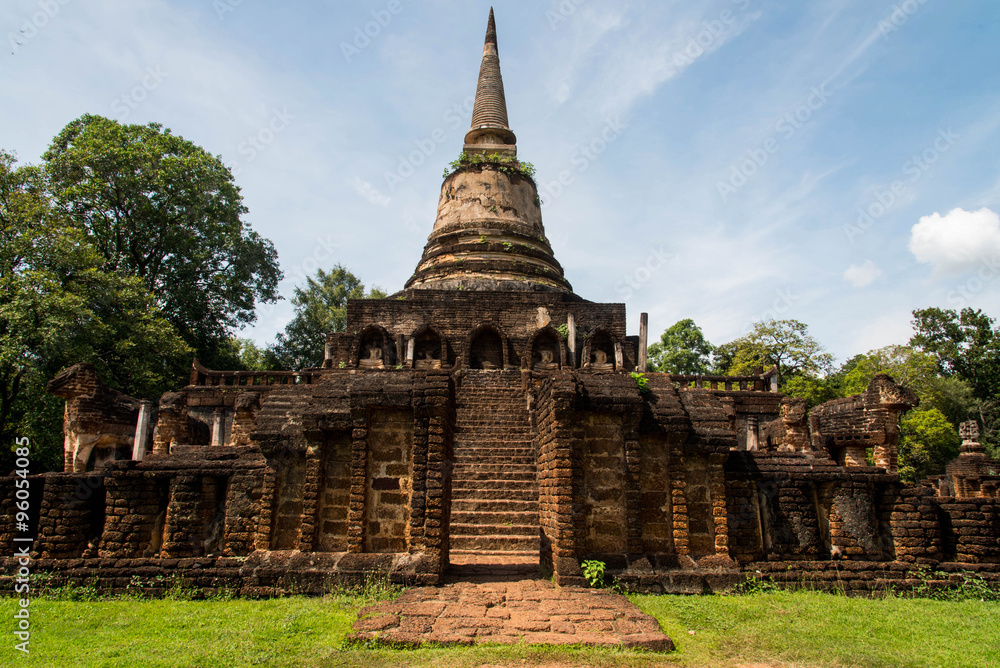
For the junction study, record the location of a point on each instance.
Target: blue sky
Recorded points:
(836, 162)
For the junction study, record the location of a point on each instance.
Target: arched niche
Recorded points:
(598, 352)
(548, 350)
(430, 350)
(487, 348)
(375, 348)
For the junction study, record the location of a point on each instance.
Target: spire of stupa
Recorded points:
(490, 131)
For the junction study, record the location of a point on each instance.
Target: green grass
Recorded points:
(771, 629)
(817, 629)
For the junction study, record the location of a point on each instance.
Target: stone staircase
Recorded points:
(494, 509)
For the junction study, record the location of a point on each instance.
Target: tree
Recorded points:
(965, 345)
(682, 349)
(927, 442)
(158, 207)
(908, 366)
(782, 343)
(814, 390)
(59, 306)
(320, 307)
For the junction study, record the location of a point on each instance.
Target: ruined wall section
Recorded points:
(71, 515)
(848, 427)
(971, 530)
(664, 431)
(699, 495)
(607, 468)
(389, 481)
(554, 409)
(456, 315)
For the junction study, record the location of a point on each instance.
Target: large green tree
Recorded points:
(786, 344)
(967, 347)
(682, 349)
(58, 306)
(965, 343)
(162, 209)
(320, 307)
(908, 366)
(927, 442)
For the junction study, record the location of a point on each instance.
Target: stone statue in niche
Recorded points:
(547, 362)
(427, 360)
(600, 361)
(373, 359)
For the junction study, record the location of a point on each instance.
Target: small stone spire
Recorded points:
(490, 131)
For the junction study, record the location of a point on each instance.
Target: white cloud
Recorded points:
(369, 192)
(957, 241)
(862, 275)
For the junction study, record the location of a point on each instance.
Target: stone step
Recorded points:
(500, 468)
(499, 543)
(498, 426)
(497, 401)
(482, 500)
(471, 489)
(514, 428)
(499, 433)
(495, 476)
(521, 519)
(499, 457)
(482, 446)
(476, 450)
(484, 555)
(464, 529)
(462, 479)
(494, 505)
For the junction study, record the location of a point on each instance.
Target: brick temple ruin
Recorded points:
(485, 417)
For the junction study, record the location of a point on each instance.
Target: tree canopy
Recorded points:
(320, 307)
(58, 306)
(965, 345)
(157, 207)
(928, 441)
(967, 348)
(682, 349)
(786, 344)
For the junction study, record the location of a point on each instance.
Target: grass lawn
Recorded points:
(765, 629)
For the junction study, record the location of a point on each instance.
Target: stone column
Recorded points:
(328, 354)
(643, 340)
(218, 424)
(411, 346)
(571, 339)
(140, 445)
(753, 442)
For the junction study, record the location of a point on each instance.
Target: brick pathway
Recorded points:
(534, 612)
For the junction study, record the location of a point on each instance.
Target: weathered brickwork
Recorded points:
(485, 418)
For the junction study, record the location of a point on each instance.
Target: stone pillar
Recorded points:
(328, 354)
(218, 424)
(140, 445)
(411, 346)
(571, 339)
(310, 500)
(359, 474)
(753, 442)
(619, 356)
(643, 340)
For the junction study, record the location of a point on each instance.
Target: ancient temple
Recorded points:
(487, 419)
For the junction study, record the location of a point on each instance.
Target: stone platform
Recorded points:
(531, 612)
